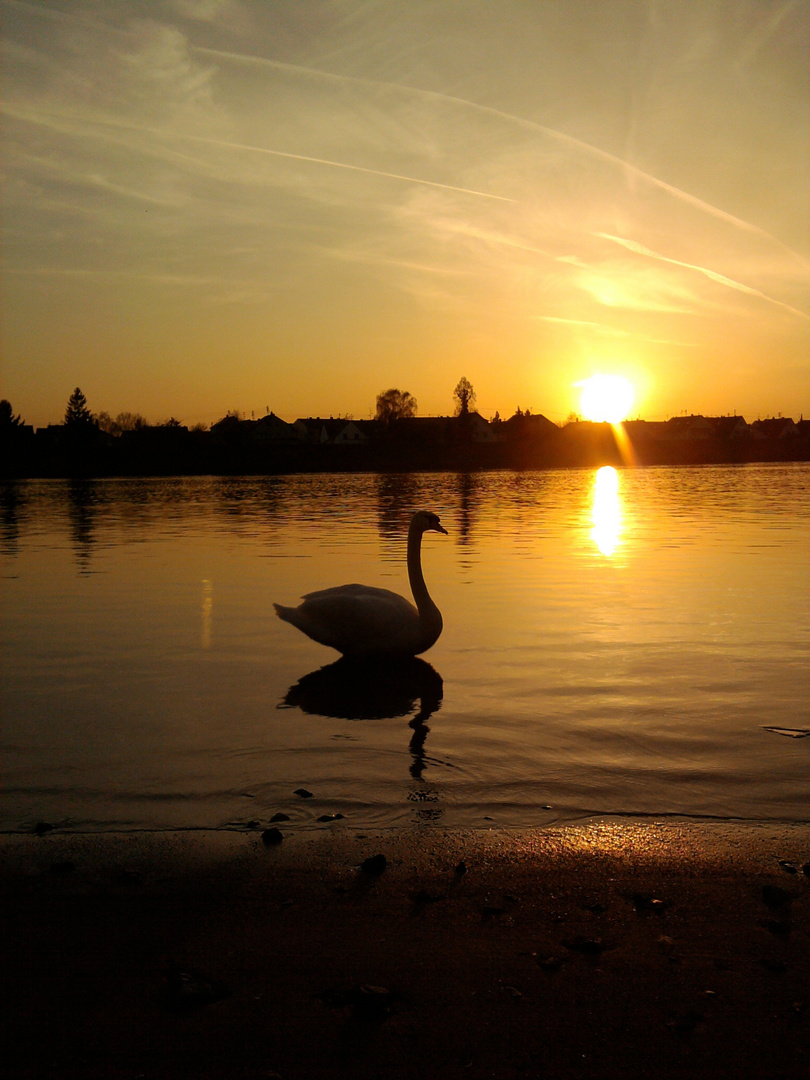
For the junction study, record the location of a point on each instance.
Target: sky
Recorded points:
(295, 205)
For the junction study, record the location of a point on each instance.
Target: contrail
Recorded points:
(639, 249)
(560, 136)
(43, 118)
(340, 165)
(612, 331)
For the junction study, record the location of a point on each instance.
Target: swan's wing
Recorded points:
(358, 592)
(357, 619)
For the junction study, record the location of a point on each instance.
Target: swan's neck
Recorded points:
(429, 615)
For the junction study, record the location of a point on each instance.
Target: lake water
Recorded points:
(614, 643)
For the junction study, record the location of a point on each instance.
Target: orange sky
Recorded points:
(217, 204)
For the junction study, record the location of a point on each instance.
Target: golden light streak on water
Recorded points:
(207, 613)
(607, 511)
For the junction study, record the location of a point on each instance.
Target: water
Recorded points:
(614, 643)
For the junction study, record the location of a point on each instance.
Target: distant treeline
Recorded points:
(269, 445)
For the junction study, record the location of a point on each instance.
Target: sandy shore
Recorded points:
(613, 949)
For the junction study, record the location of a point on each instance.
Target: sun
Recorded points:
(606, 397)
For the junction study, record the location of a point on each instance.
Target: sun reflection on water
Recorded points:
(607, 510)
(207, 613)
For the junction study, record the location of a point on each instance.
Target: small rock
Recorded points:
(788, 867)
(685, 1023)
(372, 1002)
(775, 926)
(777, 966)
(330, 817)
(61, 869)
(280, 817)
(775, 896)
(806, 869)
(366, 1002)
(43, 827)
(589, 946)
(302, 791)
(549, 963)
(647, 902)
(422, 899)
(271, 837)
(374, 865)
(461, 869)
(185, 991)
(491, 912)
(125, 876)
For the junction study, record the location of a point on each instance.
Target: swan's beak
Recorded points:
(440, 528)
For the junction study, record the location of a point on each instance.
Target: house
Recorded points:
(421, 430)
(272, 429)
(645, 430)
(729, 427)
(481, 430)
(689, 427)
(332, 432)
(775, 427)
(532, 427)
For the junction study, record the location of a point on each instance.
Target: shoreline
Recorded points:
(610, 948)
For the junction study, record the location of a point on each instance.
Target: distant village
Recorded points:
(395, 440)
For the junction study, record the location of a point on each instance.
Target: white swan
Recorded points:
(361, 621)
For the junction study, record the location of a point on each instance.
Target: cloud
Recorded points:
(712, 275)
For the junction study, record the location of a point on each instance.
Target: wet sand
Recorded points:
(612, 949)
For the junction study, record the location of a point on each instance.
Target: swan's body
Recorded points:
(361, 621)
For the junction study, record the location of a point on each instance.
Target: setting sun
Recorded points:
(606, 397)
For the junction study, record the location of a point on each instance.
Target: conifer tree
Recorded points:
(7, 417)
(77, 413)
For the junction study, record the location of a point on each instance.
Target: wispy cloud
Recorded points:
(712, 275)
(625, 167)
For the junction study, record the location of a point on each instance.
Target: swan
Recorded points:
(361, 621)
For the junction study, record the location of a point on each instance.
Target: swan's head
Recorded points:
(424, 521)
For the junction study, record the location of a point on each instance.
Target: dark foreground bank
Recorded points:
(608, 950)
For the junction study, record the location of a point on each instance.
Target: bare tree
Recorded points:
(465, 397)
(125, 421)
(395, 405)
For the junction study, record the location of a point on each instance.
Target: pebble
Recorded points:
(374, 864)
(302, 791)
(271, 837)
(184, 991)
(775, 896)
(590, 946)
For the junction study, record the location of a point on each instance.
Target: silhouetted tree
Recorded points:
(77, 414)
(125, 421)
(7, 417)
(465, 397)
(395, 405)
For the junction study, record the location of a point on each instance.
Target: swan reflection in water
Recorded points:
(374, 690)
